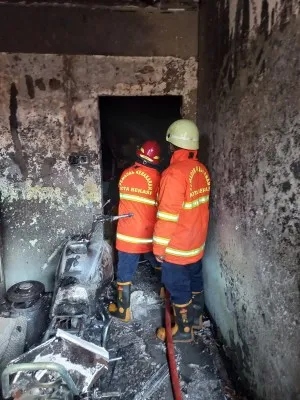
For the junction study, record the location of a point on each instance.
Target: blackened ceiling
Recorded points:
(162, 4)
(78, 29)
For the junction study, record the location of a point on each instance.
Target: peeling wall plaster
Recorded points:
(48, 110)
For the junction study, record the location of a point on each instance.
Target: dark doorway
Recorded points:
(126, 122)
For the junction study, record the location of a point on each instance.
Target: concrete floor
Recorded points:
(143, 354)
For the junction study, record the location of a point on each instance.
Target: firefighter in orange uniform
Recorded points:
(138, 187)
(181, 229)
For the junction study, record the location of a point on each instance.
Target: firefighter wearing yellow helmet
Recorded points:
(181, 229)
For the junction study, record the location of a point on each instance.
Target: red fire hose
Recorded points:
(171, 353)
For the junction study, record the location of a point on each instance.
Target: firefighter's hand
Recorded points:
(159, 259)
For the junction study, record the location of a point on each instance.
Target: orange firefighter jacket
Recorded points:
(138, 188)
(183, 213)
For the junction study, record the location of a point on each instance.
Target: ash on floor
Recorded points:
(142, 373)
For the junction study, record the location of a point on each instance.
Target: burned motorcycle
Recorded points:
(65, 366)
(85, 267)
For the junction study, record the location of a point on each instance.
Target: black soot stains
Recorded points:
(286, 186)
(39, 83)
(13, 123)
(295, 168)
(54, 84)
(30, 86)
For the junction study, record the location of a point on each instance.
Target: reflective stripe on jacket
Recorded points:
(138, 188)
(182, 217)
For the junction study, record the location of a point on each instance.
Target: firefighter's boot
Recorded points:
(182, 331)
(162, 290)
(121, 309)
(198, 307)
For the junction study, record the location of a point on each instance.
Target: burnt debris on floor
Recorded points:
(141, 373)
(135, 365)
(111, 358)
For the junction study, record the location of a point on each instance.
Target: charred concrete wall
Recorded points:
(249, 111)
(49, 110)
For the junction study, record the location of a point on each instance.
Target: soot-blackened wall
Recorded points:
(49, 110)
(249, 111)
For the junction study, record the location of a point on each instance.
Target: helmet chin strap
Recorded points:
(172, 148)
(148, 164)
